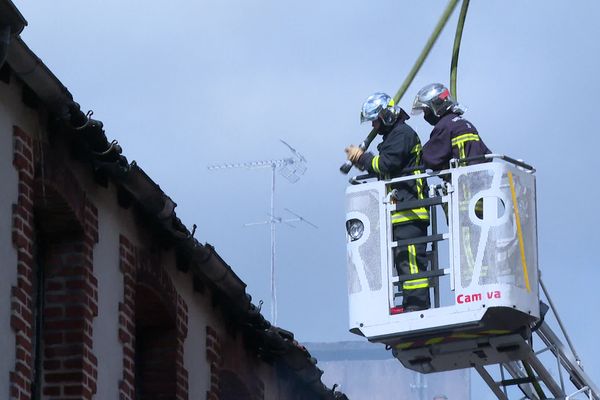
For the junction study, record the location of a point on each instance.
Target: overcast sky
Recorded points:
(186, 84)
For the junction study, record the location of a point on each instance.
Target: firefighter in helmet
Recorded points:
(452, 135)
(399, 150)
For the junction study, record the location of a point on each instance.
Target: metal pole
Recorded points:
(560, 324)
(422, 386)
(291, 168)
(273, 293)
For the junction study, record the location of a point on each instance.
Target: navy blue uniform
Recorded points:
(452, 137)
(399, 150)
(455, 137)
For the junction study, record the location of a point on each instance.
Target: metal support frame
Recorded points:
(534, 379)
(493, 385)
(519, 378)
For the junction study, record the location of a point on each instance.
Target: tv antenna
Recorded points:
(290, 168)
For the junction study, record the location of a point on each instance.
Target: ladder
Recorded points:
(532, 374)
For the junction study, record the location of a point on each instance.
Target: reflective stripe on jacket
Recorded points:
(399, 150)
(452, 137)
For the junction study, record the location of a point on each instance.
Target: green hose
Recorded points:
(345, 168)
(425, 52)
(534, 382)
(456, 48)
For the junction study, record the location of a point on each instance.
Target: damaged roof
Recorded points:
(136, 188)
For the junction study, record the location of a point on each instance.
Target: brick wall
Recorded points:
(213, 356)
(181, 373)
(233, 372)
(128, 263)
(71, 305)
(22, 294)
(163, 369)
(68, 223)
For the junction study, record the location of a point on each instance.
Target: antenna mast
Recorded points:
(290, 168)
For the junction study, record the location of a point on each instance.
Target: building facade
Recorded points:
(366, 370)
(104, 293)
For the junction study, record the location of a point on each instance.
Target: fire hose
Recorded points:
(364, 145)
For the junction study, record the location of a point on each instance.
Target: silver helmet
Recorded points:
(380, 105)
(436, 98)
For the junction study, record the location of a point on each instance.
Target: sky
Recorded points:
(187, 84)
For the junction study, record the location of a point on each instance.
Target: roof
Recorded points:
(348, 351)
(10, 16)
(135, 187)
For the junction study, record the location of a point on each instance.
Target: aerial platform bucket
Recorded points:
(492, 266)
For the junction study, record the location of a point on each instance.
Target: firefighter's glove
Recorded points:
(353, 152)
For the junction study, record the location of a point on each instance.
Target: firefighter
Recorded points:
(399, 150)
(452, 135)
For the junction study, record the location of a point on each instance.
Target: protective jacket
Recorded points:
(399, 150)
(452, 137)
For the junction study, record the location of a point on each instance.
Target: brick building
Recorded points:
(104, 293)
